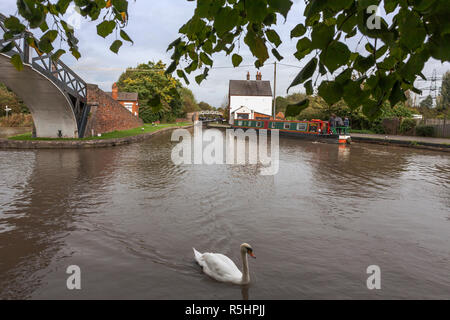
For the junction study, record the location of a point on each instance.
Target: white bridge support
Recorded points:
(51, 109)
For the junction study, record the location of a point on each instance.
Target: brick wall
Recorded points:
(107, 114)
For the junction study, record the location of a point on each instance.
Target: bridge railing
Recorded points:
(58, 72)
(54, 69)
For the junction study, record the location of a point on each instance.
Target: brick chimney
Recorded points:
(258, 75)
(248, 75)
(115, 92)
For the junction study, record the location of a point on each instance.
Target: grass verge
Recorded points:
(362, 131)
(146, 128)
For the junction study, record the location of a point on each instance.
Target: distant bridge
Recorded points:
(55, 95)
(210, 113)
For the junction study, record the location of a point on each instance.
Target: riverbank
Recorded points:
(6, 132)
(111, 139)
(438, 144)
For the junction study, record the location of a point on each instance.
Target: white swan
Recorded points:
(222, 268)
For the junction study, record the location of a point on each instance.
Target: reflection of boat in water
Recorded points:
(313, 130)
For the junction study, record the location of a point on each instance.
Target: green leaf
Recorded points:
(181, 74)
(303, 48)
(44, 27)
(174, 44)
(16, 60)
(63, 5)
(390, 5)
(199, 78)
(314, 7)
(125, 36)
(8, 47)
(50, 35)
(193, 66)
(226, 20)
(369, 47)
(120, 5)
(58, 54)
(336, 55)
(321, 36)
(294, 110)
(362, 64)
(298, 31)
(381, 51)
(273, 37)
(105, 28)
(256, 10)
(75, 53)
(205, 59)
(353, 95)
(257, 46)
(397, 94)
(371, 109)
(116, 46)
(277, 55)
(411, 29)
(281, 6)
(330, 91)
(338, 5)
(45, 45)
(236, 59)
(322, 69)
(13, 24)
(309, 88)
(171, 68)
(440, 47)
(306, 73)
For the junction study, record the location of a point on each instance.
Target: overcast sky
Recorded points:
(154, 24)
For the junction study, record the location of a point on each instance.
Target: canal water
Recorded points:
(129, 217)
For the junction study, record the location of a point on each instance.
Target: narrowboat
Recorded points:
(312, 130)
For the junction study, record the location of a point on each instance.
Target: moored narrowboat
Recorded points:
(313, 130)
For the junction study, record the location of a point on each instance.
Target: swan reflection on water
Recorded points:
(244, 291)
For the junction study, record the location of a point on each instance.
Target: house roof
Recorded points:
(250, 88)
(126, 96)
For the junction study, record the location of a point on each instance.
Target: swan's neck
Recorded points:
(245, 272)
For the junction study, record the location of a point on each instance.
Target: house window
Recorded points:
(287, 125)
(239, 123)
(258, 124)
(272, 125)
(242, 115)
(129, 106)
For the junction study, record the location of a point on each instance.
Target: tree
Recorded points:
(189, 102)
(427, 102)
(445, 92)
(36, 13)
(8, 98)
(158, 92)
(205, 106)
(395, 52)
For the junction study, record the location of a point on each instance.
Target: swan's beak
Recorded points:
(252, 255)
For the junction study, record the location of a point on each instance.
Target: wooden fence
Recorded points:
(441, 127)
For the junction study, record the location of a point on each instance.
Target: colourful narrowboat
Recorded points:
(313, 130)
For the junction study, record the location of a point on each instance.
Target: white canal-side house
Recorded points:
(250, 99)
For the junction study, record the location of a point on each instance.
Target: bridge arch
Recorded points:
(55, 95)
(50, 108)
